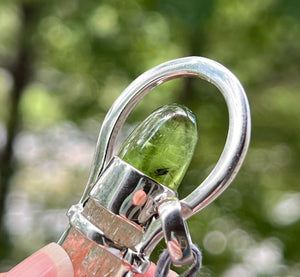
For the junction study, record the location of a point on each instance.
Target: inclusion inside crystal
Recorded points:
(162, 145)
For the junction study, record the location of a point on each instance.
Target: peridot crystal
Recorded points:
(162, 145)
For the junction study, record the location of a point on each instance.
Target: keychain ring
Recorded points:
(238, 136)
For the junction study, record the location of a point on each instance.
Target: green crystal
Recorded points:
(162, 145)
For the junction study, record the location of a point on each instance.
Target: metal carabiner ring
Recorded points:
(238, 137)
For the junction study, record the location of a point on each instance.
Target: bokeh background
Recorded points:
(64, 62)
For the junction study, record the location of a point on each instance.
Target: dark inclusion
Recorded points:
(161, 171)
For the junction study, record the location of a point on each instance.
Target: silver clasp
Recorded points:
(117, 203)
(238, 137)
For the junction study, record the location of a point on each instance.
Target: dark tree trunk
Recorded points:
(196, 46)
(21, 72)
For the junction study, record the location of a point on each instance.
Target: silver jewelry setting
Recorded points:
(112, 187)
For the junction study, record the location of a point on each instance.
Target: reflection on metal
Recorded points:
(128, 192)
(175, 231)
(123, 213)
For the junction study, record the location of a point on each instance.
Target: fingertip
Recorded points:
(50, 261)
(60, 259)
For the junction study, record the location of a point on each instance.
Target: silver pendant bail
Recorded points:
(123, 214)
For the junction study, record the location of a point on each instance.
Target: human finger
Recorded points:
(49, 261)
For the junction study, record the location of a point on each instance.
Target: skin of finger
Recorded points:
(151, 271)
(59, 260)
(50, 261)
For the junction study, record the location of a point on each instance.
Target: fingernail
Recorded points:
(50, 261)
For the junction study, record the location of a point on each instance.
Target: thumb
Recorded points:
(49, 261)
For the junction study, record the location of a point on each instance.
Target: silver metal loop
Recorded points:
(238, 137)
(176, 233)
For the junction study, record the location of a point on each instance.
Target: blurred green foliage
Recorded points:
(63, 63)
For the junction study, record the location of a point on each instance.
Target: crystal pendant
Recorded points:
(162, 145)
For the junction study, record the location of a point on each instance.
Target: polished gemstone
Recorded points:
(162, 145)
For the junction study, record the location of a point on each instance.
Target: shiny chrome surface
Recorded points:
(175, 231)
(238, 137)
(125, 191)
(81, 223)
(78, 221)
(132, 198)
(121, 207)
(116, 228)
